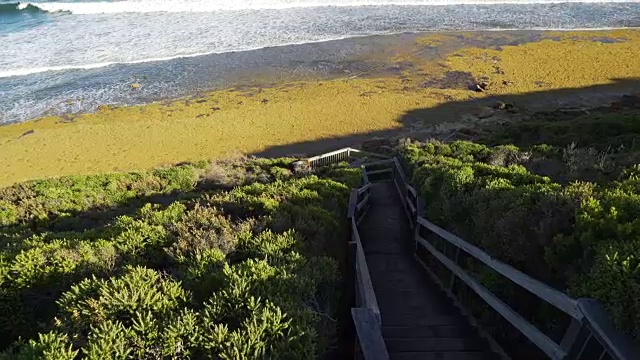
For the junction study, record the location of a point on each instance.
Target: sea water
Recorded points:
(72, 56)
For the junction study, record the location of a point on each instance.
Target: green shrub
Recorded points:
(586, 234)
(158, 265)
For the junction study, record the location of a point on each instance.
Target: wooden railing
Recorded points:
(365, 313)
(366, 336)
(337, 156)
(590, 335)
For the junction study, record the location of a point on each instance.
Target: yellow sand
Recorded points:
(140, 137)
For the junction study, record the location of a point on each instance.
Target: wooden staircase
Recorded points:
(401, 309)
(418, 320)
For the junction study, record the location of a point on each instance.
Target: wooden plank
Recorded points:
(365, 176)
(355, 235)
(347, 337)
(493, 345)
(369, 335)
(379, 171)
(412, 207)
(353, 202)
(542, 341)
(326, 155)
(400, 194)
(364, 188)
(538, 288)
(363, 203)
(364, 282)
(617, 344)
(399, 170)
(379, 162)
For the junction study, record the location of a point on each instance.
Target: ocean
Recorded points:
(59, 57)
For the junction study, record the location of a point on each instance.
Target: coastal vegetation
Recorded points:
(236, 259)
(556, 196)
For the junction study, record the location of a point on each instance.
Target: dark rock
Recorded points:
(451, 80)
(627, 101)
(481, 87)
(506, 83)
(500, 106)
(27, 133)
(484, 113)
(512, 108)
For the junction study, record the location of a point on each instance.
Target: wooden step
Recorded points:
(433, 344)
(443, 331)
(453, 355)
(420, 320)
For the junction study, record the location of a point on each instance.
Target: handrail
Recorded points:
(358, 205)
(538, 288)
(589, 321)
(334, 157)
(366, 313)
(587, 314)
(369, 334)
(619, 346)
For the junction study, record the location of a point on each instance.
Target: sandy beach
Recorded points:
(384, 86)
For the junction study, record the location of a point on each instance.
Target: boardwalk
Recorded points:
(418, 321)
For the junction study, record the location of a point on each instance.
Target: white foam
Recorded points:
(29, 71)
(174, 6)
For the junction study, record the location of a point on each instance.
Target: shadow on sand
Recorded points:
(420, 123)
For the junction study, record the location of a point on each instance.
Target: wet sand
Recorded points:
(378, 86)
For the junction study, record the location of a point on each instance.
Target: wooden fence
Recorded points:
(365, 313)
(590, 335)
(341, 155)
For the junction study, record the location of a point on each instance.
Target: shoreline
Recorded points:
(19, 73)
(385, 85)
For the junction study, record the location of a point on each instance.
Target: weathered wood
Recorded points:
(379, 162)
(616, 344)
(542, 341)
(369, 335)
(332, 153)
(354, 231)
(364, 283)
(571, 336)
(363, 203)
(348, 338)
(399, 170)
(493, 345)
(365, 176)
(375, 172)
(412, 208)
(353, 203)
(364, 188)
(540, 289)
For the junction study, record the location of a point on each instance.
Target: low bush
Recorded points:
(582, 237)
(161, 265)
